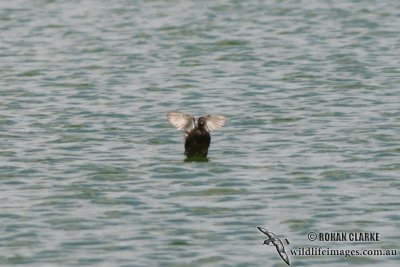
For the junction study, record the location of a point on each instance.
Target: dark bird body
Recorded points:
(197, 142)
(197, 138)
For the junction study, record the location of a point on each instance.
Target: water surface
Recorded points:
(91, 173)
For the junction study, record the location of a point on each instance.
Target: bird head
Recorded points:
(269, 242)
(201, 123)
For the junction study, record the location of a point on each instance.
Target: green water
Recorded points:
(92, 174)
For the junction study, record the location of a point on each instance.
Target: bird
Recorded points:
(197, 137)
(273, 240)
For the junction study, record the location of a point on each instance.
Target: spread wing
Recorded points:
(265, 232)
(181, 121)
(281, 251)
(214, 122)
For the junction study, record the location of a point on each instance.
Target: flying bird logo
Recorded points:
(273, 240)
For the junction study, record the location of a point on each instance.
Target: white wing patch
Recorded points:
(181, 121)
(214, 122)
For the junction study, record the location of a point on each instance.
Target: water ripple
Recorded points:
(93, 175)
